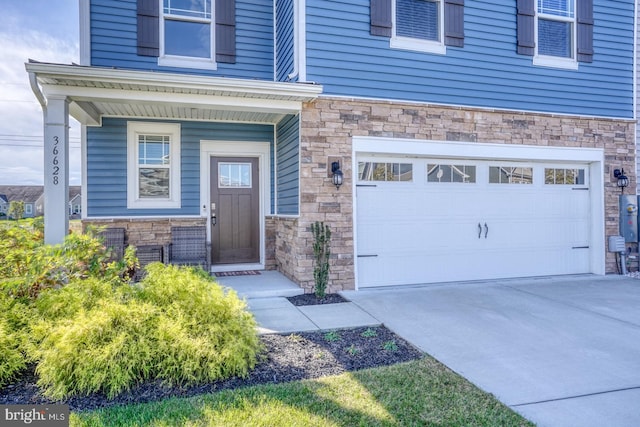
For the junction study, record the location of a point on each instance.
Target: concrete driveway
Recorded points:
(560, 351)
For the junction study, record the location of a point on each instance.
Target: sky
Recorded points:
(44, 30)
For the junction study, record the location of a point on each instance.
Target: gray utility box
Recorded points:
(629, 218)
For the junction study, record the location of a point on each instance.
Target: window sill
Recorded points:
(418, 45)
(555, 62)
(186, 62)
(153, 204)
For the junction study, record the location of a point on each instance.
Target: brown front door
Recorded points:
(235, 210)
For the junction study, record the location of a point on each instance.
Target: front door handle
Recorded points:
(214, 220)
(486, 230)
(479, 230)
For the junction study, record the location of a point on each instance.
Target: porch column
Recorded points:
(56, 169)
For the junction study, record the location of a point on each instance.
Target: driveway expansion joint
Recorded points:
(577, 396)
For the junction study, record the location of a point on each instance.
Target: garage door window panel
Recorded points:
(451, 173)
(385, 171)
(510, 175)
(561, 176)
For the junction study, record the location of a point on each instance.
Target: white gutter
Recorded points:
(33, 81)
(83, 74)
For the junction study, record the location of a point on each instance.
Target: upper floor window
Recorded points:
(556, 30)
(557, 33)
(418, 25)
(183, 33)
(186, 33)
(422, 25)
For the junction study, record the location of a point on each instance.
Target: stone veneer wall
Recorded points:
(145, 231)
(157, 231)
(328, 124)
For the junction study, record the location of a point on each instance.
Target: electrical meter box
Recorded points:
(629, 218)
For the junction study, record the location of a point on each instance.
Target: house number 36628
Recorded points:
(56, 168)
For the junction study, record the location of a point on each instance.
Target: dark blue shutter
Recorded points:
(526, 23)
(225, 31)
(584, 15)
(454, 23)
(380, 17)
(148, 13)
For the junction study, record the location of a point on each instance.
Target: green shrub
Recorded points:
(108, 348)
(28, 267)
(176, 325)
(205, 333)
(13, 319)
(79, 295)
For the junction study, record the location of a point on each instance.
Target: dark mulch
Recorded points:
(311, 299)
(303, 355)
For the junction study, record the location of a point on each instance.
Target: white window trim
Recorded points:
(28, 208)
(133, 200)
(415, 44)
(557, 61)
(188, 61)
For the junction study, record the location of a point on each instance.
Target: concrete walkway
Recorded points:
(560, 351)
(266, 297)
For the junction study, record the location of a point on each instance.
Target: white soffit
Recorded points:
(100, 92)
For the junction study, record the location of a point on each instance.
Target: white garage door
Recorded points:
(428, 220)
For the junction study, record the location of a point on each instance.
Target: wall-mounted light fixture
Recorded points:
(336, 174)
(623, 181)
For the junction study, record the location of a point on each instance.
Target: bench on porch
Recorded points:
(188, 247)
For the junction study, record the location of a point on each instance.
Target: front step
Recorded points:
(267, 284)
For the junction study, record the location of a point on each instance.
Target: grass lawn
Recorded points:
(418, 393)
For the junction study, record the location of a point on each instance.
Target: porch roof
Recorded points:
(96, 92)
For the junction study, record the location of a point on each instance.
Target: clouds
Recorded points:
(45, 31)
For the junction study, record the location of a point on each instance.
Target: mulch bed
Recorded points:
(292, 357)
(311, 299)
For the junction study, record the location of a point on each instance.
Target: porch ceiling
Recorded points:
(95, 93)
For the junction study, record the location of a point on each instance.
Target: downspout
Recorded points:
(296, 50)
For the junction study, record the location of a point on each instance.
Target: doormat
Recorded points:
(237, 273)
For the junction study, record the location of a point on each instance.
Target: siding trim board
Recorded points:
(474, 107)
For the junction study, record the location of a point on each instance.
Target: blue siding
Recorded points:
(113, 40)
(487, 72)
(107, 164)
(284, 39)
(287, 167)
